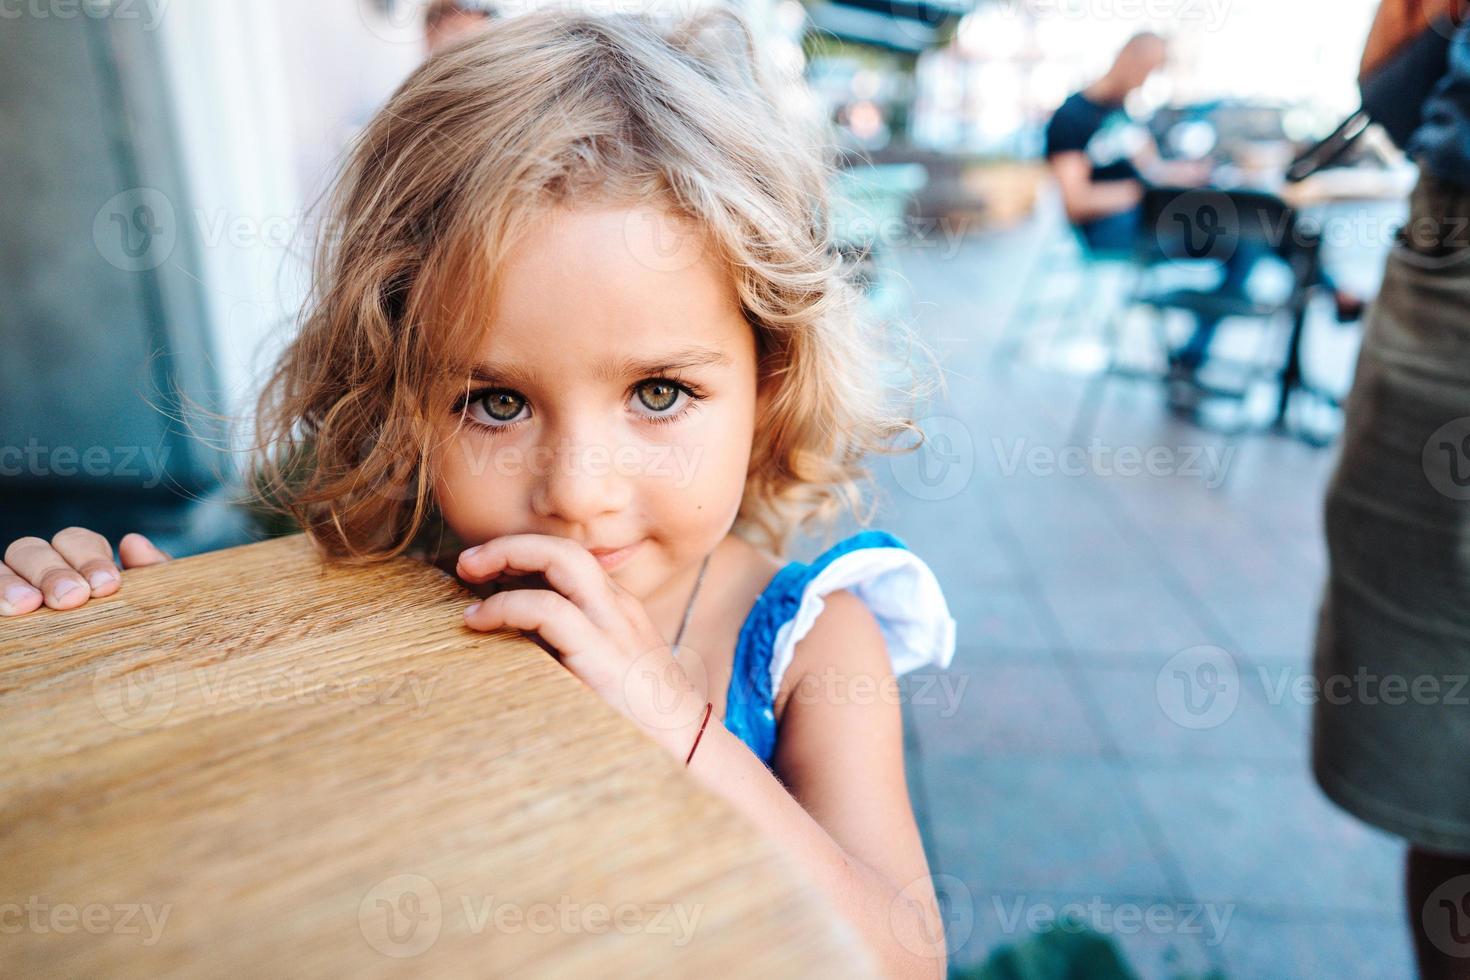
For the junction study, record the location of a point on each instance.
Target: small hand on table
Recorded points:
(63, 573)
(598, 630)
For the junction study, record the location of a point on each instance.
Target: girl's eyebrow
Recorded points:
(680, 360)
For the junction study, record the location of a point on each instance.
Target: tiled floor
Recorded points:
(1071, 767)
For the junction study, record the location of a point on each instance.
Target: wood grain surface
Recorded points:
(251, 763)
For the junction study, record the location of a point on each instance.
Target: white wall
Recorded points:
(267, 95)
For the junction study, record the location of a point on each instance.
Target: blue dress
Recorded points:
(894, 583)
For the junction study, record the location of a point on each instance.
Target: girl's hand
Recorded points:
(600, 631)
(76, 565)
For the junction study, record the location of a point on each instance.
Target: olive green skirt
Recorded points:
(1391, 723)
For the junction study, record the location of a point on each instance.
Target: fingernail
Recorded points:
(64, 588)
(14, 596)
(17, 593)
(472, 552)
(471, 610)
(99, 579)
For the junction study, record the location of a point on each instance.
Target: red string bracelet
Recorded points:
(708, 707)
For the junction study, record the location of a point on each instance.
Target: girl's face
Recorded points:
(614, 400)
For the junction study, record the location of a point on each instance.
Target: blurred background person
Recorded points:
(446, 21)
(1103, 160)
(1398, 526)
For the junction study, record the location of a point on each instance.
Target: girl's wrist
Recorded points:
(680, 738)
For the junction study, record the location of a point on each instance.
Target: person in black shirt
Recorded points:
(1098, 154)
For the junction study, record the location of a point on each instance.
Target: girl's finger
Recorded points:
(568, 568)
(137, 551)
(39, 564)
(639, 688)
(550, 615)
(89, 553)
(16, 595)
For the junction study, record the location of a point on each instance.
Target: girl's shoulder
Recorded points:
(889, 583)
(894, 584)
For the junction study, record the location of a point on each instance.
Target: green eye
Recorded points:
(502, 406)
(658, 396)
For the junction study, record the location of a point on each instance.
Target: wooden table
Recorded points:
(249, 763)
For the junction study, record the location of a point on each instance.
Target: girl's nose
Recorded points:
(580, 482)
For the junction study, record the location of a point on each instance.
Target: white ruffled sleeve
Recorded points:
(899, 589)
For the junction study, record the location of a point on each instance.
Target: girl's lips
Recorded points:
(612, 558)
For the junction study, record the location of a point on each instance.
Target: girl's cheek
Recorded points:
(476, 490)
(710, 463)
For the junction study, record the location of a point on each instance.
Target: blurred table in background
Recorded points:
(1339, 185)
(249, 763)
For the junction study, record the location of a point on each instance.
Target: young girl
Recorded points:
(580, 311)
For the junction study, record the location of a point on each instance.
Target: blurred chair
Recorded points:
(1201, 227)
(1064, 280)
(869, 208)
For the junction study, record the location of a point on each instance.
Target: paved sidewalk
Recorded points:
(1069, 773)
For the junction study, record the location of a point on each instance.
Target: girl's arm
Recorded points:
(849, 825)
(843, 812)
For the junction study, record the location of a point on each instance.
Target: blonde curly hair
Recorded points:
(558, 108)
